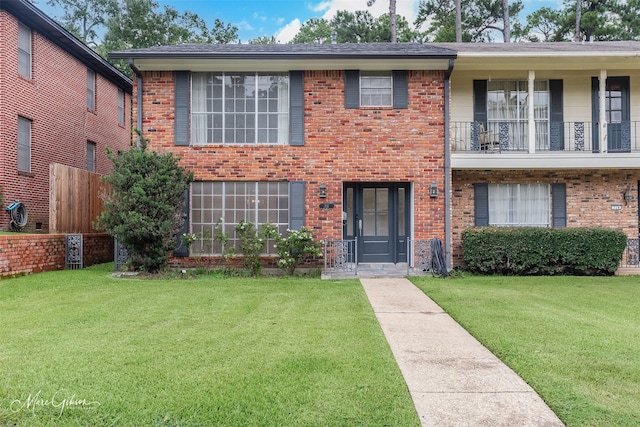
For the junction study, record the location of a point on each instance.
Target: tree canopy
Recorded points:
(108, 25)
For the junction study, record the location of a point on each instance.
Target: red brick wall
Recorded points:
(341, 145)
(590, 195)
(34, 253)
(55, 99)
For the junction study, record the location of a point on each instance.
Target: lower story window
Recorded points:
(220, 206)
(512, 205)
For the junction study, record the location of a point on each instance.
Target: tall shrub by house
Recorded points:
(144, 208)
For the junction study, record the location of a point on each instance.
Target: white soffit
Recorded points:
(484, 61)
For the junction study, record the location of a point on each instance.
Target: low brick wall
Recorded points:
(34, 253)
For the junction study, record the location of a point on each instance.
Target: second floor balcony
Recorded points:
(543, 144)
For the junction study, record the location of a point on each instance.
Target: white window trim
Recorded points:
(516, 204)
(364, 75)
(253, 187)
(283, 115)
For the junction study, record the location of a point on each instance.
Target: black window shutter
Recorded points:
(296, 205)
(400, 89)
(481, 203)
(296, 108)
(181, 106)
(181, 250)
(556, 115)
(559, 204)
(352, 89)
(480, 102)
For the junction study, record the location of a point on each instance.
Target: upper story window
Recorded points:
(91, 89)
(24, 144)
(241, 108)
(376, 89)
(24, 51)
(91, 156)
(384, 89)
(508, 106)
(121, 107)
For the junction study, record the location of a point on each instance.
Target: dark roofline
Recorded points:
(285, 52)
(33, 17)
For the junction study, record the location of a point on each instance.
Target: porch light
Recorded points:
(628, 196)
(322, 191)
(433, 189)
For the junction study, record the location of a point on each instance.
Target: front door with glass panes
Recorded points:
(378, 215)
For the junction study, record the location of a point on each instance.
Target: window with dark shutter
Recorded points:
(351, 89)
(481, 203)
(400, 89)
(181, 106)
(296, 205)
(559, 204)
(296, 108)
(182, 250)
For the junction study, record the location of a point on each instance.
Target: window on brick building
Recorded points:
(232, 202)
(91, 89)
(520, 205)
(24, 51)
(120, 107)
(91, 156)
(243, 108)
(376, 89)
(24, 144)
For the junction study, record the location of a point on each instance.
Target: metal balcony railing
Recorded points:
(512, 136)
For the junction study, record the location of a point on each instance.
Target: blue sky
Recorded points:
(283, 18)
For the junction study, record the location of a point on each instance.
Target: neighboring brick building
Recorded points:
(407, 141)
(60, 102)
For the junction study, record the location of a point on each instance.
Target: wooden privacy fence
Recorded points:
(75, 199)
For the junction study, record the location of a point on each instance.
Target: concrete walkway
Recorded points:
(452, 378)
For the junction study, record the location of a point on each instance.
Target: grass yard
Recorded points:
(576, 340)
(81, 348)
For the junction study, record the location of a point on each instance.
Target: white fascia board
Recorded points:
(540, 161)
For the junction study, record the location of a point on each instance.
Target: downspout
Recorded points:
(447, 168)
(138, 74)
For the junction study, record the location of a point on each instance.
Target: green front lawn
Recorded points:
(80, 348)
(576, 340)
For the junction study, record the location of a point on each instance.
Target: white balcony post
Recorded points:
(531, 116)
(602, 108)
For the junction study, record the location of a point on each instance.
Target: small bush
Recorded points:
(543, 251)
(298, 246)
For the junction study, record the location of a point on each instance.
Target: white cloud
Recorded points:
(244, 25)
(324, 5)
(406, 8)
(289, 31)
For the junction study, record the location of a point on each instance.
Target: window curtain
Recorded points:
(508, 102)
(541, 113)
(283, 110)
(199, 128)
(519, 204)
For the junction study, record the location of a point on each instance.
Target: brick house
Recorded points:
(398, 143)
(60, 103)
(344, 139)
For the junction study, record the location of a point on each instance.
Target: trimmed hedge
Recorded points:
(534, 251)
